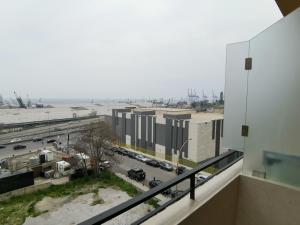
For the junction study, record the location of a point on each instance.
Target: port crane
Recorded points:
(20, 101)
(204, 97)
(192, 96)
(215, 98)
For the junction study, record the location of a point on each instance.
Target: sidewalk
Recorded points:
(140, 186)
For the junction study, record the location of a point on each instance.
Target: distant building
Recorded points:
(163, 132)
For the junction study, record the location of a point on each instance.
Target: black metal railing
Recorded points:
(123, 207)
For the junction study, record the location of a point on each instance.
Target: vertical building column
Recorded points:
(217, 137)
(213, 130)
(137, 141)
(180, 135)
(113, 121)
(149, 129)
(168, 136)
(154, 132)
(143, 132)
(186, 137)
(174, 138)
(123, 128)
(132, 129)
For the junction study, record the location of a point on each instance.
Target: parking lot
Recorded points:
(125, 163)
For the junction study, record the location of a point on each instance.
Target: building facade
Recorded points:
(162, 133)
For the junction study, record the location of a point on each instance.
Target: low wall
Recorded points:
(25, 190)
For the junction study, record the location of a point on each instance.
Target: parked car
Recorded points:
(51, 141)
(154, 183)
(122, 151)
(105, 164)
(166, 166)
(176, 193)
(145, 159)
(15, 140)
(142, 158)
(115, 149)
(200, 177)
(37, 139)
(153, 162)
(180, 170)
(18, 147)
(137, 174)
(132, 155)
(2, 146)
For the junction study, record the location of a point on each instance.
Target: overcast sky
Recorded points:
(122, 48)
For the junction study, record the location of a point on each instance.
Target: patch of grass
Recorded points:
(110, 179)
(15, 210)
(97, 201)
(211, 170)
(153, 202)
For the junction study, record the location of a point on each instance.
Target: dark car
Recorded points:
(176, 193)
(115, 149)
(132, 155)
(154, 183)
(2, 146)
(122, 151)
(18, 147)
(166, 166)
(51, 141)
(180, 170)
(153, 163)
(37, 139)
(136, 174)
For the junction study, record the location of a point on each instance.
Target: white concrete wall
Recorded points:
(128, 115)
(128, 140)
(160, 120)
(139, 127)
(201, 146)
(160, 150)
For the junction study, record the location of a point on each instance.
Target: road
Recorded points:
(124, 163)
(31, 146)
(44, 130)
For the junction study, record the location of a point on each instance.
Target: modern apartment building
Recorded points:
(162, 132)
(261, 120)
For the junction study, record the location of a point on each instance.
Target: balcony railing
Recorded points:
(123, 207)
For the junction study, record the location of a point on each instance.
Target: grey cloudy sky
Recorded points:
(122, 48)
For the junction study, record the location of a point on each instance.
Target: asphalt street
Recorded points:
(125, 163)
(8, 151)
(55, 129)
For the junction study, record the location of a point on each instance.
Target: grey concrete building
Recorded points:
(162, 132)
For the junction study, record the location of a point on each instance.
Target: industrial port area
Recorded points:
(149, 112)
(39, 148)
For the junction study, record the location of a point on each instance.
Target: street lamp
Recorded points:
(180, 150)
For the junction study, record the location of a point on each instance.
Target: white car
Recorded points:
(145, 159)
(202, 176)
(105, 164)
(15, 140)
(140, 157)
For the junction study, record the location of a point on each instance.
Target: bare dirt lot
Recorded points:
(67, 211)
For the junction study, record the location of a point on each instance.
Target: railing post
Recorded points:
(192, 187)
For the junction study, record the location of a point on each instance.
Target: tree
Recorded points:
(96, 137)
(80, 148)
